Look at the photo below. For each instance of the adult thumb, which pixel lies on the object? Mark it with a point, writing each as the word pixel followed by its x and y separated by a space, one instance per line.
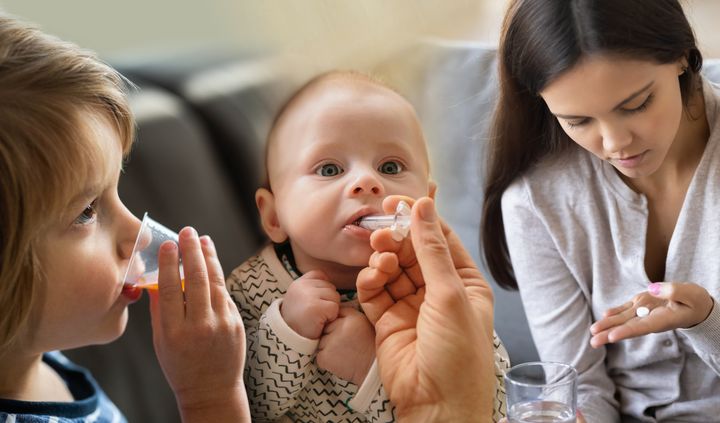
pixel 660 289
pixel 431 249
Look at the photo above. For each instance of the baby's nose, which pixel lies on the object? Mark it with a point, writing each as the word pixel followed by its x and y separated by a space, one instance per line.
pixel 367 184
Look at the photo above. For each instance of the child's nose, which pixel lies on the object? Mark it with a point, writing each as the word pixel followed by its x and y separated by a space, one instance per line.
pixel 367 184
pixel 129 230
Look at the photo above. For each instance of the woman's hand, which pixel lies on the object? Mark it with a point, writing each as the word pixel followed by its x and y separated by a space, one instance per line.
pixel 672 305
pixel 198 334
pixel 433 316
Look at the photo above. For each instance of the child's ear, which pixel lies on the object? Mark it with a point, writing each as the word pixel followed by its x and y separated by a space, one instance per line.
pixel 432 189
pixel 265 201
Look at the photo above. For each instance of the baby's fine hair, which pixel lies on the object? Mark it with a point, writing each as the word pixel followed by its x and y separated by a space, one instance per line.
pixel 312 87
pixel 47 88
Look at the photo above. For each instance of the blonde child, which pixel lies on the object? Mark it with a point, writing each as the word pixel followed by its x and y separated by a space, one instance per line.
pixel 65 241
pixel 339 146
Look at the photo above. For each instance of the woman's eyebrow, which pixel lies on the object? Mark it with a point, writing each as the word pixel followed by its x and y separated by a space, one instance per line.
pixel 633 95
pixel 630 98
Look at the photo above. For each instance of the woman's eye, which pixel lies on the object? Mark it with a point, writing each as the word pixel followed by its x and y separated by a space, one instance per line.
pixel 641 107
pixel 88 215
pixel 575 124
pixel 329 169
pixel 390 167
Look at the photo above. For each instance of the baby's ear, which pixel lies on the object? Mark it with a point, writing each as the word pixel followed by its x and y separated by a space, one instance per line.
pixel 432 189
pixel 265 201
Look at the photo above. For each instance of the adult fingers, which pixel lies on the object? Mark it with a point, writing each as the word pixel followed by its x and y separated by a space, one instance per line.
pixel 620 315
pixel 617 310
pixel 686 293
pixel 390 202
pixel 373 297
pixel 432 252
pixel 197 291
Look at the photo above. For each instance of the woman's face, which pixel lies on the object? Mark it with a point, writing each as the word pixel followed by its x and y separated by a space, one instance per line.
pixel 624 111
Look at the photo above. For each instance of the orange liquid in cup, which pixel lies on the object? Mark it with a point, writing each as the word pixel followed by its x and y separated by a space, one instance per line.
pixel 153 286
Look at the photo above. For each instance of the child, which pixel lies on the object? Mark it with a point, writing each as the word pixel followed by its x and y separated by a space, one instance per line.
pixel 339 146
pixel 65 241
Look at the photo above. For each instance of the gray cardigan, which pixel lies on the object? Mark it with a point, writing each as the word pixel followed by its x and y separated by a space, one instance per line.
pixel 576 236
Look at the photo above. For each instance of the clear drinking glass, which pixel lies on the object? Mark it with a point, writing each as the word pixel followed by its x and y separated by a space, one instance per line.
pixel 142 270
pixel 541 392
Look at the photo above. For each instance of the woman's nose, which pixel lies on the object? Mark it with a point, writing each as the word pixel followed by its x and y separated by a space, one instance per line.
pixel 616 138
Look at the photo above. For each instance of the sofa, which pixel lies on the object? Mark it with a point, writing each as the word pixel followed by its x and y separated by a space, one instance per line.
pixel 198 159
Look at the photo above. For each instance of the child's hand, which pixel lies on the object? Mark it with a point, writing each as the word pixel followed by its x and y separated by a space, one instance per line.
pixel 347 346
pixel 309 303
pixel 672 305
pixel 198 335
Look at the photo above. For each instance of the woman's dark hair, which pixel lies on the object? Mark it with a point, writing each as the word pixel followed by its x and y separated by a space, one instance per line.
pixel 541 39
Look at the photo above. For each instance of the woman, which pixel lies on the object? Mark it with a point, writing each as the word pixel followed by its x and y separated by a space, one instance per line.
pixel 602 179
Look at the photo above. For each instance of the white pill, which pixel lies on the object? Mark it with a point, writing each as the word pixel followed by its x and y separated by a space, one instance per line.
pixel 642 311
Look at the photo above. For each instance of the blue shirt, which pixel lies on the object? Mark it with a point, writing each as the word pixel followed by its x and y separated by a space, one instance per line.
pixel 90 404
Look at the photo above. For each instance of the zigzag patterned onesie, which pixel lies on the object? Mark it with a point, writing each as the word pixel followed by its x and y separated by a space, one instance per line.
pixel 281 378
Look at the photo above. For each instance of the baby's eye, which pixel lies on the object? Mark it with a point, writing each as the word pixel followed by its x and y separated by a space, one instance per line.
pixel 329 169
pixel 88 215
pixel 390 167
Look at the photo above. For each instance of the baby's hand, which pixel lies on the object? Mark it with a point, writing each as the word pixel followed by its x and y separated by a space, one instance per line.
pixel 310 303
pixel 671 305
pixel 347 347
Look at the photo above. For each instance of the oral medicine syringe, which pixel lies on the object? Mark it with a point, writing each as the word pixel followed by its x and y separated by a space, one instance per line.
pixel 399 223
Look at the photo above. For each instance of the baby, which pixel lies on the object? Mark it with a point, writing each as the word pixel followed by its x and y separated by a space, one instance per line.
pixel 338 147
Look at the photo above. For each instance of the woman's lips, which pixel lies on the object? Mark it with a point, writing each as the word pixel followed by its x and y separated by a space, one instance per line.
pixel 631 161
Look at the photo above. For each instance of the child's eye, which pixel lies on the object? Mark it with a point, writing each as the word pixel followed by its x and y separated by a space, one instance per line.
pixel 390 167
pixel 88 215
pixel 329 169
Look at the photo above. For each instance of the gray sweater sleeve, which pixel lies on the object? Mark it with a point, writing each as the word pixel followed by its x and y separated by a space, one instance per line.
pixel 556 304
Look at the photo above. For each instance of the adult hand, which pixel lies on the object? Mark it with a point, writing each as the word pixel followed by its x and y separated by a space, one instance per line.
pixel 198 334
pixel 672 305
pixel 309 303
pixel 347 346
pixel 433 316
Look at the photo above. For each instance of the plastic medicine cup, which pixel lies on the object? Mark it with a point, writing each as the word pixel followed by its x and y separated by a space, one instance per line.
pixel 142 271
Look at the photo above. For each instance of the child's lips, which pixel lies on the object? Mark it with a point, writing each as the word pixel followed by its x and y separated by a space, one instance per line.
pixel 357 231
pixel 354 220
pixel 132 293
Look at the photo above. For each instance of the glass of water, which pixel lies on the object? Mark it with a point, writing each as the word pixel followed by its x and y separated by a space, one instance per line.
pixel 541 392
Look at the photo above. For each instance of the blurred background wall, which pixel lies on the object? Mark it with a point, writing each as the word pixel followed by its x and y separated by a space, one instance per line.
pixel 360 30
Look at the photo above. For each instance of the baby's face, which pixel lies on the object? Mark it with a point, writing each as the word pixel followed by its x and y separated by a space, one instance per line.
pixel 338 155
